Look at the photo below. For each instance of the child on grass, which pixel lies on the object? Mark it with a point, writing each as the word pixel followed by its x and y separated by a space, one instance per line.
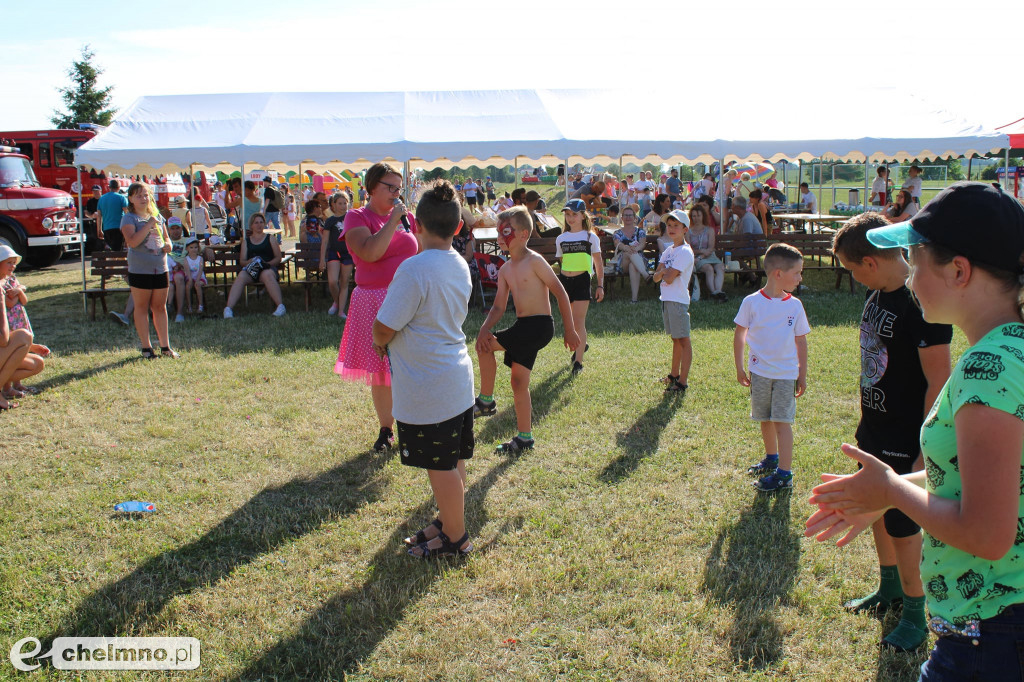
pixel 195 273
pixel 580 251
pixel 904 363
pixel 419 326
pixel 15 298
pixel 529 279
pixel 772 322
pixel 675 268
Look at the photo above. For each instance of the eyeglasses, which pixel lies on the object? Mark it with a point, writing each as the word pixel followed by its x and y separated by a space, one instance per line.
pixel 394 189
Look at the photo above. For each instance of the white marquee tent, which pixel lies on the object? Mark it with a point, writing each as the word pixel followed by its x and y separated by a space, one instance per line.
pixel 168 133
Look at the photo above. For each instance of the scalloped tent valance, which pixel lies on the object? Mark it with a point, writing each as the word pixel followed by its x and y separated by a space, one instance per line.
pixel 448 128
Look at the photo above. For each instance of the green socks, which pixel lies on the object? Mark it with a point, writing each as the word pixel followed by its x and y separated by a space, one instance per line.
pixel 889 589
pixel 526 435
pixel 911 631
pixel 485 398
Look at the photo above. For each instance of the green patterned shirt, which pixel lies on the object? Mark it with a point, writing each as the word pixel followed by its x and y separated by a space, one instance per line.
pixel 961 586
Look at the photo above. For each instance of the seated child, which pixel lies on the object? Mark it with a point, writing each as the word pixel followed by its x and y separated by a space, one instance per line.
pixel 15 299
pixel 195 273
pixel 314 223
pixel 419 326
pixel 772 322
pixel 529 279
pixel 675 268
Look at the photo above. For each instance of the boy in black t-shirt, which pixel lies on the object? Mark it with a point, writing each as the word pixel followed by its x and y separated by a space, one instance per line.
pixel 904 364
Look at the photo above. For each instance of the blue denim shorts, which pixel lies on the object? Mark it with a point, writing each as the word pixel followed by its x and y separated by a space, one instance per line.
pixel 998 655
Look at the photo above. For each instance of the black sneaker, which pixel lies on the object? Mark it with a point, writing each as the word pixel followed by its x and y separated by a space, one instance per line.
pixel 577 367
pixel 515 445
pixel 572 355
pixel 385 440
pixel 482 409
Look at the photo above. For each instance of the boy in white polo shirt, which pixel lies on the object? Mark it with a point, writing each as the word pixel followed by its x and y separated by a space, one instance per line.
pixel 773 324
pixel 675 269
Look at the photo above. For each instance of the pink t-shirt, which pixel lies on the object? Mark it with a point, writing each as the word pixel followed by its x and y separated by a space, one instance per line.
pixel 378 274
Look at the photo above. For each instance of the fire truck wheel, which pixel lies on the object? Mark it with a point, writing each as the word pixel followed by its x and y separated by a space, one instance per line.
pixel 10 238
pixel 43 256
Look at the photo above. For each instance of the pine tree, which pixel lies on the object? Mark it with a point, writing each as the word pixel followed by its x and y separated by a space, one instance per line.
pixel 85 104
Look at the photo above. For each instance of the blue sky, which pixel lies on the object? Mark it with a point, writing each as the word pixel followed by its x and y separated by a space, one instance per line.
pixel 186 47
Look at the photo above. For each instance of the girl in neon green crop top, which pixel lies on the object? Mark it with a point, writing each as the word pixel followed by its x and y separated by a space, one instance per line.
pixel 580 251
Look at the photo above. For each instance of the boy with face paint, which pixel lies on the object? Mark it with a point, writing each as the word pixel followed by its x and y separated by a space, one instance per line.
pixel 529 279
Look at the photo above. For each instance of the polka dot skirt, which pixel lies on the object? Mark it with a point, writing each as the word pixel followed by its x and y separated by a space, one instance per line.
pixel 356 359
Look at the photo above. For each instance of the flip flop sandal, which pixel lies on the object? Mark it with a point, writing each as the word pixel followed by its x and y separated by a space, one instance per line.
pixel 420 537
pixel 447 548
pixel 31 390
pixel 148 354
pixel 10 406
pixel 168 353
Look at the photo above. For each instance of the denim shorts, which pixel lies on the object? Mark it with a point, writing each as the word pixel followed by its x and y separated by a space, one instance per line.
pixel 998 655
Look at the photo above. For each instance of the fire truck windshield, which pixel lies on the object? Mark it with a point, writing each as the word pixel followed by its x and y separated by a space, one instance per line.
pixel 16 171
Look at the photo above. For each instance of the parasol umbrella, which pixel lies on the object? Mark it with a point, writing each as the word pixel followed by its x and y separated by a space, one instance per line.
pixel 757 170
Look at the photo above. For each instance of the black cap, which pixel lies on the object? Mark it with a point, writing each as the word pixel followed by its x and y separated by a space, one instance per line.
pixel 972 219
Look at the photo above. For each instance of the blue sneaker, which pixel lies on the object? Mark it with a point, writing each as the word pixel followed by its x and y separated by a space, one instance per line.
pixel 764 467
pixel 773 483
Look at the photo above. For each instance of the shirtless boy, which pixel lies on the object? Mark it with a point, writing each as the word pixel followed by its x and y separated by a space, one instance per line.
pixel 529 279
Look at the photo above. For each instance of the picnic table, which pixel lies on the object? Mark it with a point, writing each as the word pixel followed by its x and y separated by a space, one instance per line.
pixel 486 239
pixel 805 221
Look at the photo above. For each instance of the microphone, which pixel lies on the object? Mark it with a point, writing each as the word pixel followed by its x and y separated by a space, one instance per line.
pixel 405 217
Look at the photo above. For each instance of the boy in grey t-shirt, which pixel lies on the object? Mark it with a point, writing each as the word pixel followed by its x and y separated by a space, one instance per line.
pixel 419 326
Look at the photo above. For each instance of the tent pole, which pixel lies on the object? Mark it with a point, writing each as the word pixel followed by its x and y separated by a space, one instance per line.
pixel 565 177
pixel 515 173
pixel 407 181
pixel 81 234
pixel 864 202
pixel 1006 166
pixel 969 159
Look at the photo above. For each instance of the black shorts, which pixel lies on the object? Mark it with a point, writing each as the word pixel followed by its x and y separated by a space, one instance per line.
pixel 577 286
pixel 490 195
pixel 437 446
pixel 114 239
pixel 901 458
pixel 152 282
pixel 470 201
pixel 523 340
pixel 343 256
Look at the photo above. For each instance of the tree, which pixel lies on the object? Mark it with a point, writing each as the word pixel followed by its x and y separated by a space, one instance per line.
pixel 85 103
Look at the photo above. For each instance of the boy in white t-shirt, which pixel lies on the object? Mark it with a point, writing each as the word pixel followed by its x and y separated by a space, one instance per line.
pixel 807 198
pixel 772 323
pixel 675 268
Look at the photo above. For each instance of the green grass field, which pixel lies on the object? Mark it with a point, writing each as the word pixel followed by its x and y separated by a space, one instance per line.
pixel 628 546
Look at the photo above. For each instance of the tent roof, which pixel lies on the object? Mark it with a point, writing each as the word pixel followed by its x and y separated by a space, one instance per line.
pixel 447 128
pixel 1016 132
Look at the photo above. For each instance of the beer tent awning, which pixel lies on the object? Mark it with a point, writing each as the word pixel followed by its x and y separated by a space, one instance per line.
pixel 446 128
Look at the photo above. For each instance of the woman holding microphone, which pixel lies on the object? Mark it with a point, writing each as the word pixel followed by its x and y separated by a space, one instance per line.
pixel 379 235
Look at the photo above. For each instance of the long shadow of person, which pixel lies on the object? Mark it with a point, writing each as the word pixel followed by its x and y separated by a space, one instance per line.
pixel 640 439
pixel 346 629
pixel 542 396
pixel 273 516
pixel 64 378
pixel 752 566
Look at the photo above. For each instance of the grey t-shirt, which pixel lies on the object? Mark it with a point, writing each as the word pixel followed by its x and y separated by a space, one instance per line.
pixel 431 371
pixel 749 224
pixel 584 189
pixel 148 258
pixel 673 185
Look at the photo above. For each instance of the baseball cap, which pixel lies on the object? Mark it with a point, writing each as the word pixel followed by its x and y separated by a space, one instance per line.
pixel 97 187
pixel 679 215
pixel 576 205
pixel 191 240
pixel 173 221
pixel 972 219
pixel 7 252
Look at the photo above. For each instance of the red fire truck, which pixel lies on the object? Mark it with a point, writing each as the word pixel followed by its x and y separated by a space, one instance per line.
pixel 37 222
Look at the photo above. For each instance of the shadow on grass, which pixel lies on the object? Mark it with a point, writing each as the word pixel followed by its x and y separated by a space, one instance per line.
pixel 274 516
pixel 751 567
pixel 69 377
pixel 338 638
pixel 640 440
pixel 543 396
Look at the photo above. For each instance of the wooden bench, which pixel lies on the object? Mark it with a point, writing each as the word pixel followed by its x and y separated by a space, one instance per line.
pixel 222 270
pixel 818 248
pixel 106 265
pixel 746 249
pixel 611 275
pixel 306 257
pixel 545 246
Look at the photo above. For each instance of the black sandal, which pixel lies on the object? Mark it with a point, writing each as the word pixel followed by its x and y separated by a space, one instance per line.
pixel 420 537
pixel 447 548
pixel 148 354
pixel 168 353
